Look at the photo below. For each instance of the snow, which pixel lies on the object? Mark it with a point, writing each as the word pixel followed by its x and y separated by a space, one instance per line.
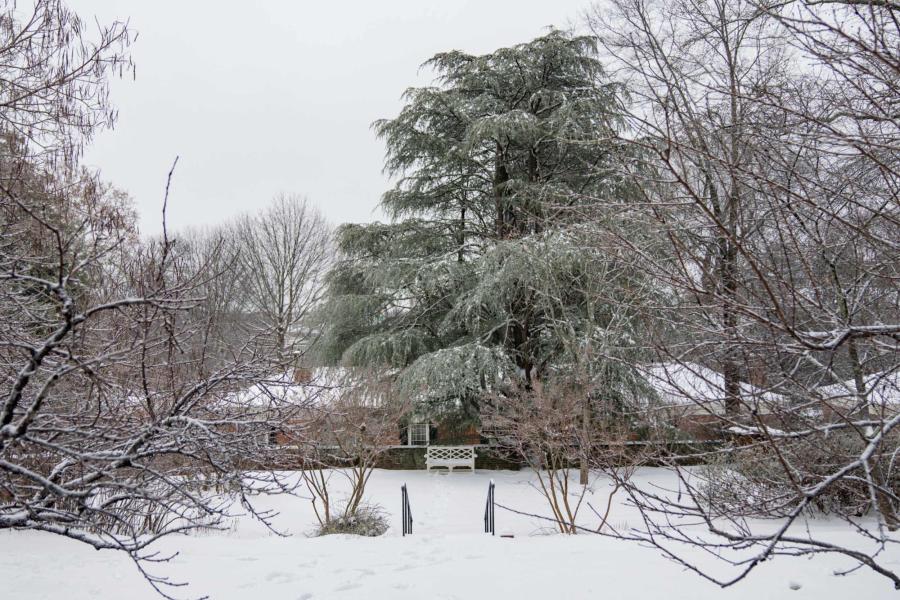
pixel 753 431
pixel 883 390
pixel 447 557
pixel 692 384
pixel 324 386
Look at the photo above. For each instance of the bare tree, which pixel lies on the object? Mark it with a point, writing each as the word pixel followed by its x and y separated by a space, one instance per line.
pixel 121 419
pixel 545 427
pixel 112 416
pixel 54 92
pixel 284 254
pixel 356 421
pixel 768 140
pixel 213 256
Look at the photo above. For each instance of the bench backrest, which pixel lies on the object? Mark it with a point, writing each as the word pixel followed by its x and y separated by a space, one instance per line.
pixel 450 452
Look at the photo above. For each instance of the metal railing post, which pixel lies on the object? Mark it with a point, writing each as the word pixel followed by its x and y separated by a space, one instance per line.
pixel 489 510
pixel 406 513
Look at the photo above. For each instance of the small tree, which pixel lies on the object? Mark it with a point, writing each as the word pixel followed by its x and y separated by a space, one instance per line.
pixel 356 421
pixel 545 427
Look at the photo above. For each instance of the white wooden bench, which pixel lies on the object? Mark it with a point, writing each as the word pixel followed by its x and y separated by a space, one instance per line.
pixel 450 457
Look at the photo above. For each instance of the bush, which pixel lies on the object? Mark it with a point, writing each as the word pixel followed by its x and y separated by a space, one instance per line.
pixel 367 520
pixel 753 481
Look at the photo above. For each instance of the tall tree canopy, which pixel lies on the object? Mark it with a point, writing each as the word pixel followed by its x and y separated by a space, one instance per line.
pixel 484 252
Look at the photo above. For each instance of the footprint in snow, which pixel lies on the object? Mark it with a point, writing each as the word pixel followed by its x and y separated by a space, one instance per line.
pixel 347 586
pixel 279 577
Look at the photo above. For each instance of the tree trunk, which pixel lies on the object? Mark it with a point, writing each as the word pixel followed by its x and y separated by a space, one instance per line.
pixel 864 412
pixel 583 472
pixel 505 216
pixel 726 287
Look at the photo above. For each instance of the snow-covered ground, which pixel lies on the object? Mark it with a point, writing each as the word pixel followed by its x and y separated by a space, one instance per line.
pixel 447 557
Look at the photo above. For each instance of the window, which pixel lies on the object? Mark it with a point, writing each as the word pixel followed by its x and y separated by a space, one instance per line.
pixel 418 434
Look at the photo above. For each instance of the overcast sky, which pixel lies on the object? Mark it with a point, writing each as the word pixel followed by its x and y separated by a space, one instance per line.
pixel 278 96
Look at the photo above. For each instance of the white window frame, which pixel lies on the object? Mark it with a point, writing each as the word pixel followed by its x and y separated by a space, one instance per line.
pixel 414 434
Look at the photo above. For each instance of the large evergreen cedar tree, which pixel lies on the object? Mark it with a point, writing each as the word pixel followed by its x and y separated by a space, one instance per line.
pixel 484 256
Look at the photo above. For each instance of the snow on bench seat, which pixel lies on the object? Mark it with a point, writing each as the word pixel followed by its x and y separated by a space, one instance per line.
pixel 450 457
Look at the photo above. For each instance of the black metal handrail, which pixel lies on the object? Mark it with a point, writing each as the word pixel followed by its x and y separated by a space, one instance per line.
pixel 489 510
pixel 407 513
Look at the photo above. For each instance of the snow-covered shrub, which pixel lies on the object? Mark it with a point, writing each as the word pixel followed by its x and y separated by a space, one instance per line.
pixel 757 481
pixel 369 520
pixel 131 516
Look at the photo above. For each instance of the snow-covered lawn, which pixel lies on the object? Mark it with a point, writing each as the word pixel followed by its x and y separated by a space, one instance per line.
pixel 447 557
